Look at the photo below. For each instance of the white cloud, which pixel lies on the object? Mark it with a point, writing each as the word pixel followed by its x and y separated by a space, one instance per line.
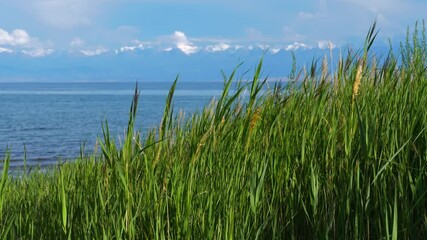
pixel 237 47
pixel 191 45
pixel 5 50
pixel 275 50
pixel 187 49
pixel 326 44
pixel 127 48
pixel 296 46
pixel 16 37
pixel 19 40
pixel 38 52
pixel 217 47
pixel 131 48
pixel 263 46
pixel 183 43
pixel 95 52
pixel 77 42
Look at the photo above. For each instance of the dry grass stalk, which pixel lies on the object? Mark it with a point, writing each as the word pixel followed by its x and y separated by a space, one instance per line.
pixel 357 79
pixel 331 48
pixel 339 70
pixel 255 119
pixel 374 68
pixel 324 68
pixel 222 121
pixel 238 108
pixel 305 74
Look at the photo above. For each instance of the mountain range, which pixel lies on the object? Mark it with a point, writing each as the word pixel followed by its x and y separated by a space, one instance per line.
pixel 132 63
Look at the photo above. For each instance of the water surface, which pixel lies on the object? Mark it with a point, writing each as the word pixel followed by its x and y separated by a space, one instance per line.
pixel 52 120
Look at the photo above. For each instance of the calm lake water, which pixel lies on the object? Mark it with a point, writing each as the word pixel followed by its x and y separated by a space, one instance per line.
pixel 52 120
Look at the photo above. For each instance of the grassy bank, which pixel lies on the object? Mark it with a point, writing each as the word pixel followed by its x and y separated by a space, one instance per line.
pixel 337 155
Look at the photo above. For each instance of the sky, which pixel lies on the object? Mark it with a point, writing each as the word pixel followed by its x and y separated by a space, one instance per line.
pixel 110 24
pixel 39 28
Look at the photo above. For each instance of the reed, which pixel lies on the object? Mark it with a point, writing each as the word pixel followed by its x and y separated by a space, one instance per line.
pixel 307 160
pixel 357 79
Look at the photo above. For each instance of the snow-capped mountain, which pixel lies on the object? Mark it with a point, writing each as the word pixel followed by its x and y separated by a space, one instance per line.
pixel 147 63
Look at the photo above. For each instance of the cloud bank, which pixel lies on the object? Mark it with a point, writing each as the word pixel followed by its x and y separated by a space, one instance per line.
pixel 14 38
pixel 5 50
pixel 39 52
pixel 296 46
pixel 95 52
pixel 183 43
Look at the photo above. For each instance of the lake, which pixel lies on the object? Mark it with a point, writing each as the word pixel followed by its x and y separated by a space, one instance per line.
pixel 52 120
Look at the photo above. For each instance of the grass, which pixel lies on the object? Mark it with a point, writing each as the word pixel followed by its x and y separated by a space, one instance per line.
pixel 339 155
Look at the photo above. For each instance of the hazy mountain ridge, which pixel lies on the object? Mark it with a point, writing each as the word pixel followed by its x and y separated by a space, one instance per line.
pixel 151 64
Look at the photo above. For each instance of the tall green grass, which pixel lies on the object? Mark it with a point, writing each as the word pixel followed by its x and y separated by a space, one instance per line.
pixel 329 155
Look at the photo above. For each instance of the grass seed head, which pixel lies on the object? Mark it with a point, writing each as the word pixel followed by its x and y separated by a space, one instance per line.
pixel 357 79
pixel 324 68
pixel 255 118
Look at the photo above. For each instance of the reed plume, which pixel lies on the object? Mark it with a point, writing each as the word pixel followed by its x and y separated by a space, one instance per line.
pixel 255 118
pixel 358 78
pixel 324 68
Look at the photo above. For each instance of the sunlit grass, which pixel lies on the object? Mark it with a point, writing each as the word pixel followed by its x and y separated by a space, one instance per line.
pixel 339 155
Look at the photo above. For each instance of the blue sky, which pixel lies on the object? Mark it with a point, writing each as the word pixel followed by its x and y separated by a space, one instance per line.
pixel 41 27
pixel 111 40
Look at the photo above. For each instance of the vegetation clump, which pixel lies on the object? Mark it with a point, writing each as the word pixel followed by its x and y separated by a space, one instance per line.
pixel 339 155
